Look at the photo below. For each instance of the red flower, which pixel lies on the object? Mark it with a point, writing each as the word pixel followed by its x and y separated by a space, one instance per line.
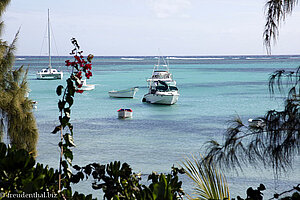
pixel 88 66
pixel 68 63
pixel 88 74
pixel 79 91
pixel 79 86
pixel 77 58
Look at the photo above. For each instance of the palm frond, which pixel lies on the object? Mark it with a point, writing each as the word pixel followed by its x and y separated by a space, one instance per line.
pixel 210 183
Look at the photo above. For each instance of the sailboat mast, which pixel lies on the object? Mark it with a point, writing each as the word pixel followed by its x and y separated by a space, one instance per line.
pixel 49 43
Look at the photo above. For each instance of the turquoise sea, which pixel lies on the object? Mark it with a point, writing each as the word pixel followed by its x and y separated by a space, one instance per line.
pixel 213 90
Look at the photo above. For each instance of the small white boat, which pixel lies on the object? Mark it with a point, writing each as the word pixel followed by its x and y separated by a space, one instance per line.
pixel 124 113
pixel 86 87
pixel 49 73
pixel 257 122
pixel 128 93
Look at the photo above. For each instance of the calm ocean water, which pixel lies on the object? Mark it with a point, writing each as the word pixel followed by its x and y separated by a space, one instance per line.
pixel 213 90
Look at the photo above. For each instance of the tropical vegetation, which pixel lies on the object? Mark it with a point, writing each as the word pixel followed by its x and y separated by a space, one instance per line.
pixel 16 117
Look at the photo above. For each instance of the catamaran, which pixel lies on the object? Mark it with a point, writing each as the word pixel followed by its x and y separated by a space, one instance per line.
pixel 49 73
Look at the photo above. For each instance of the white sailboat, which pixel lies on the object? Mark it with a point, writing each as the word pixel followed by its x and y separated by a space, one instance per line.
pixel 162 87
pixel 49 73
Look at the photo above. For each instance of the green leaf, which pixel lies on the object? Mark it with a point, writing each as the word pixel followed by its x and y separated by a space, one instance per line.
pixel 88 169
pixel 69 140
pixel 70 100
pixel 61 105
pixel 65 121
pixel 64 164
pixel 77 167
pixel 56 129
pixel 68 154
pixel 89 197
pixel 2 150
pixel 70 128
pixel 59 90
pixel 67 110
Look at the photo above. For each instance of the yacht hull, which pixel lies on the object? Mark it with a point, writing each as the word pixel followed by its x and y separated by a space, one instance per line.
pixel 49 76
pixel 165 99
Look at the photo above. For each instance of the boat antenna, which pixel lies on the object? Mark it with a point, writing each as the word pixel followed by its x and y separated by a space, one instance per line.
pixel 158 63
pixel 49 45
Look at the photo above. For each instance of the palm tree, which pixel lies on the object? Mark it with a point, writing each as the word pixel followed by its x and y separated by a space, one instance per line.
pixel 210 183
pixel 17 119
pixel 276 12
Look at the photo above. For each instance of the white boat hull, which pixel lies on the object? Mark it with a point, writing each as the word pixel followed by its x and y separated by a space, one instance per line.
pixel 166 99
pixel 87 87
pixel 49 76
pixel 129 93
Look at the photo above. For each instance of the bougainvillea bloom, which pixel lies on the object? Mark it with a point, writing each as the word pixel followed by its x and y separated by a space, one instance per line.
pixel 79 74
pixel 88 74
pixel 88 66
pixel 79 91
pixel 68 63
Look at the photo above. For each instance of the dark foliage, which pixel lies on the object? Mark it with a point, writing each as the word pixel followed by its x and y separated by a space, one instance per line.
pixel 117 181
pixel 258 195
pixel 273 142
pixel 20 174
pixel 276 12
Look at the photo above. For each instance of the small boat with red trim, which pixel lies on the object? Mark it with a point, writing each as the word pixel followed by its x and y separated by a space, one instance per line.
pixel 124 113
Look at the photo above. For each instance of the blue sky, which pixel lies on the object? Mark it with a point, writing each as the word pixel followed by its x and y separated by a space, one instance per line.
pixel 141 27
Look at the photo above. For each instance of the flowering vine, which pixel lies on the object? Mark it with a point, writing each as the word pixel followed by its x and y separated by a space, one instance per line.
pixel 79 66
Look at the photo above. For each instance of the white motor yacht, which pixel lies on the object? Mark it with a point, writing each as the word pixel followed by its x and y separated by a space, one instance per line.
pixel 162 87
